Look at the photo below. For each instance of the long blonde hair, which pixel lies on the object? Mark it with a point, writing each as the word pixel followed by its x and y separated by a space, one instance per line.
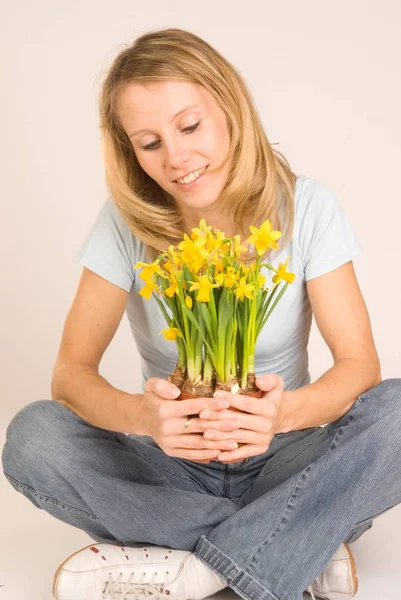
pixel 260 180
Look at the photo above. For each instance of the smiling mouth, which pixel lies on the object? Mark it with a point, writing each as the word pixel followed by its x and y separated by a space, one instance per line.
pixel 204 171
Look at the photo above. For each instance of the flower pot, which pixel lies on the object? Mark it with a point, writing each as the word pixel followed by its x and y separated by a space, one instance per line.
pixel 257 394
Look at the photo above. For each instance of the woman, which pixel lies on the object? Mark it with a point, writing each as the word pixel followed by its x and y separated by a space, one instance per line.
pixel 175 511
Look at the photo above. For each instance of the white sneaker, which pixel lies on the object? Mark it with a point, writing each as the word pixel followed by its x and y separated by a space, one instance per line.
pixel 113 572
pixel 338 581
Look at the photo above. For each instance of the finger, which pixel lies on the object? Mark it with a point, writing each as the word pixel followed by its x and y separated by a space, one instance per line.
pixel 162 388
pixel 212 434
pixel 242 436
pixel 196 425
pixel 198 442
pixel 191 454
pixel 222 414
pixel 242 402
pixel 273 386
pixel 193 406
pixel 241 453
pixel 270 382
pixel 220 425
pixel 266 409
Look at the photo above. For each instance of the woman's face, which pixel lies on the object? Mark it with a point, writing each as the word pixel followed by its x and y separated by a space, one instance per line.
pixel 169 146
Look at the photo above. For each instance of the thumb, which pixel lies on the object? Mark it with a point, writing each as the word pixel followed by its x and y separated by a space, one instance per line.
pixel 269 382
pixel 162 388
pixel 172 390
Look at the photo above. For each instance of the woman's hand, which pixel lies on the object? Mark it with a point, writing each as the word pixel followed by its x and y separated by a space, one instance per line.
pixel 260 419
pixel 163 418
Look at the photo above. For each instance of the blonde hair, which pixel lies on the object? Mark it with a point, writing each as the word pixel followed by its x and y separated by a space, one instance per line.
pixel 260 180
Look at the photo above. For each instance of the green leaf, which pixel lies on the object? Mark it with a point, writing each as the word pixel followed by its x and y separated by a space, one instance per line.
pixel 206 317
pixel 275 304
pixel 162 308
pixel 263 309
pixel 196 324
pixel 223 316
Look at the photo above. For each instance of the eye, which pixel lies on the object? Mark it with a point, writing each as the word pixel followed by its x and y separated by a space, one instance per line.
pixel 192 128
pixel 154 145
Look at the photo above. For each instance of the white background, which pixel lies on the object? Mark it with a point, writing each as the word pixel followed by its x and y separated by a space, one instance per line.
pixel 325 79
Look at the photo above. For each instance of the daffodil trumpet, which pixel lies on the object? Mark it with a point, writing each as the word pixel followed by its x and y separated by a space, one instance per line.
pixel 215 305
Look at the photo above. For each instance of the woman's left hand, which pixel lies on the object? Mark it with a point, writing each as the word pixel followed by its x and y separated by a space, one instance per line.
pixel 260 419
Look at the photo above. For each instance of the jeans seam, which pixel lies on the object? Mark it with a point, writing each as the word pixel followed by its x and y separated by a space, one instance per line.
pixel 302 475
pixel 375 516
pixel 34 493
pixel 290 460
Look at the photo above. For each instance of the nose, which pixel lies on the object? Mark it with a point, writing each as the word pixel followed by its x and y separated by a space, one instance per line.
pixel 177 154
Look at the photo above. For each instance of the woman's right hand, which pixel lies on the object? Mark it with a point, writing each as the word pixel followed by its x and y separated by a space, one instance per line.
pixel 162 417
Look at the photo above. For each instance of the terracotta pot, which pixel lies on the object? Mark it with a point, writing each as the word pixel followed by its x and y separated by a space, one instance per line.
pixel 257 394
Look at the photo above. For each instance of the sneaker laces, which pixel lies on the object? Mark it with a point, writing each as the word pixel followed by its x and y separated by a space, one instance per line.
pixel 122 590
pixel 310 590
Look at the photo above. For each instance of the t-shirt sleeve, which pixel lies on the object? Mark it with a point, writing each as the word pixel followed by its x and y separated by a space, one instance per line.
pixel 108 249
pixel 326 238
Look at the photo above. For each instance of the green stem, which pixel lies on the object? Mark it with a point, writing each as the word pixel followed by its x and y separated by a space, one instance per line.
pixel 275 303
pixel 245 346
pixel 191 368
pixel 207 367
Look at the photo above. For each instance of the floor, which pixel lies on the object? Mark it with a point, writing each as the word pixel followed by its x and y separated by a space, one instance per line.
pixel 34 544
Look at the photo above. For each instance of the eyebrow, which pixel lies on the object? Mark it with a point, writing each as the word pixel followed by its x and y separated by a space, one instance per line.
pixel 189 107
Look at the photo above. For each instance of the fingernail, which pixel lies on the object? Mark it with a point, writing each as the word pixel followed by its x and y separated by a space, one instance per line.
pixel 219 394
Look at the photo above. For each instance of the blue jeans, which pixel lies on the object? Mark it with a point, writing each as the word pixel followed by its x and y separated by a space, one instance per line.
pixel 269 525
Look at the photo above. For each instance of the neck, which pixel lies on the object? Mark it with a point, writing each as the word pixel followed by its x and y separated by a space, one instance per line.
pixel 217 221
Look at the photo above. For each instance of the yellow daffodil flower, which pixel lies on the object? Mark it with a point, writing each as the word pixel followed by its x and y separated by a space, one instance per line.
pixel 228 278
pixel 174 255
pixel 237 249
pixel 171 333
pixel 204 286
pixel 282 274
pixel 149 270
pixel 219 267
pixel 147 289
pixel 201 231
pixel 219 237
pixel 244 289
pixel 193 252
pixel 173 289
pixel 245 270
pixel 168 267
pixel 188 301
pixel 264 237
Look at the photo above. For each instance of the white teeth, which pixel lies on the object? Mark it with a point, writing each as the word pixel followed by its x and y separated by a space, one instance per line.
pixel 191 177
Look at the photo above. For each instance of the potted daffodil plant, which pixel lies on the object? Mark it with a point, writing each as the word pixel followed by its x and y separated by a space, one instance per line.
pixel 215 306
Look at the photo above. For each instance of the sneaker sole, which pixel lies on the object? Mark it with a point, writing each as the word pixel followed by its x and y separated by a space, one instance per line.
pixel 62 565
pixel 353 568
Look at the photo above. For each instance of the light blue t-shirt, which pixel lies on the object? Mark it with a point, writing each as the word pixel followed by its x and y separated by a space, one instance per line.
pixel 322 241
